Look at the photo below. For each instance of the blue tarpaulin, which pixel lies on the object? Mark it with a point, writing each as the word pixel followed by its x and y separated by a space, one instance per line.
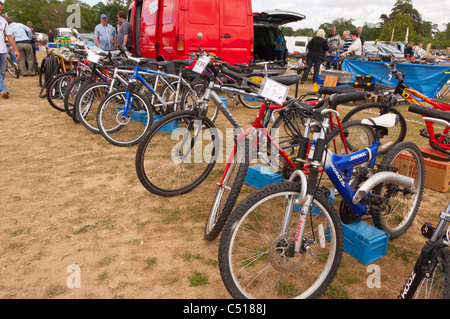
pixel 427 79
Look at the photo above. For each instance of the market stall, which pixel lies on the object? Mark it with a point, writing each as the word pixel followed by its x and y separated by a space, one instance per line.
pixel 425 78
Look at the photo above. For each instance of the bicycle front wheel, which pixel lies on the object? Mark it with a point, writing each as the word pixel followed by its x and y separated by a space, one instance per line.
pixel 177 154
pixel 87 102
pixel 257 260
pixel 437 286
pixel 227 192
pixel 122 128
pixel 399 205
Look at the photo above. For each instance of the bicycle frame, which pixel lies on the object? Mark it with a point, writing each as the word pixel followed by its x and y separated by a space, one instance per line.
pixel 408 94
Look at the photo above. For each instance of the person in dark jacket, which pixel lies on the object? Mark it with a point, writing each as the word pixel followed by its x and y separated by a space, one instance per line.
pixel 317 49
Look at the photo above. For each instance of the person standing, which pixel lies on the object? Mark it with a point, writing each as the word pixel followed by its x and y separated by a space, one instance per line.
pixel 356 47
pixel 4 28
pixel 105 35
pixel 33 44
pixel 409 53
pixel 359 29
pixel 51 37
pixel 123 35
pixel 23 37
pixel 348 40
pixel 317 49
pixel 334 45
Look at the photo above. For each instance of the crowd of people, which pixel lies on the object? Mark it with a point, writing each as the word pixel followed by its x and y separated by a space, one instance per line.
pixel 322 45
pixel 21 43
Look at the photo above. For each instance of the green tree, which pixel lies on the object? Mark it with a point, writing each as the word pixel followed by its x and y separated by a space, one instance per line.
pixel 400 24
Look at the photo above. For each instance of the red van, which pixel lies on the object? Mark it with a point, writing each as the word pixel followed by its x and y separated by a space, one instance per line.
pixel 168 29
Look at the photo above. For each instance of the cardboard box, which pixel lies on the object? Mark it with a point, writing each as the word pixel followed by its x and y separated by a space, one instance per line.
pixel 437 169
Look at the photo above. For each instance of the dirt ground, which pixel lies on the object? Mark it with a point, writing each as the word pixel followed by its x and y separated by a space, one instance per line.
pixel 73 205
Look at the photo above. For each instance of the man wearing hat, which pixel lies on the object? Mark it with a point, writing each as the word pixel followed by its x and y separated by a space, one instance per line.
pixel 105 35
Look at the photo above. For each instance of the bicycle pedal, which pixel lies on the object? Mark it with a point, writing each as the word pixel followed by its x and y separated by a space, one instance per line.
pixel 424 132
pixel 428 230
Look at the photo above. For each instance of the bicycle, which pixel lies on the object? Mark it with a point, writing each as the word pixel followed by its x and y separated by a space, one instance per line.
pixel 124 116
pixel 192 126
pixel 157 144
pixel 12 68
pixel 430 277
pixel 440 142
pixel 285 240
pixel 356 137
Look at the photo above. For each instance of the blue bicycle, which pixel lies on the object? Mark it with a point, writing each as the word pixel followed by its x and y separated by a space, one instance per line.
pixel 285 240
pixel 124 116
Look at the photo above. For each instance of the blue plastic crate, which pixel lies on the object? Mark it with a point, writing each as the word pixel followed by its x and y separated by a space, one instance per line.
pixel 168 128
pixel 224 100
pixel 365 242
pixel 259 176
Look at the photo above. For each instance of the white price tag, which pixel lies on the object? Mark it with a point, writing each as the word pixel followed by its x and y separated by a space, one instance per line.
pixel 274 91
pixel 93 57
pixel 201 64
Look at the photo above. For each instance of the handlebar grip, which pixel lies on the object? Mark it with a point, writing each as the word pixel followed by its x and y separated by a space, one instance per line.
pixel 336 99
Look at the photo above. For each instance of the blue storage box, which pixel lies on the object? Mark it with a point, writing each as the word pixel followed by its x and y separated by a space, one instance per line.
pixel 168 128
pixel 365 242
pixel 52 45
pixel 259 176
pixel 224 100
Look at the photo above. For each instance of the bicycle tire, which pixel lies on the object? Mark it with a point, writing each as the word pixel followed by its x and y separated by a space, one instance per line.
pixel 128 130
pixel 155 165
pixel 57 87
pixel 437 286
pixel 398 160
pixel 87 102
pixel 12 68
pixel 269 253
pixel 190 98
pixel 396 134
pixel 219 214
pixel 71 94
pixel 249 102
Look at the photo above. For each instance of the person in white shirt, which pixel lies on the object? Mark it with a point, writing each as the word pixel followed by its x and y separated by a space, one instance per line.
pixel 356 47
pixel 419 52
pixel 4 28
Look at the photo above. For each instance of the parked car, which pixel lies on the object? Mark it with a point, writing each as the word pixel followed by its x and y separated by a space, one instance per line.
pixel 41 37
pixel 375 53
pixel 87 38
pixel 67 33
pixel 386 48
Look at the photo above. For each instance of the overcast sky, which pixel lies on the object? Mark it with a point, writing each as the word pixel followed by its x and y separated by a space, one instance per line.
pixel 321 11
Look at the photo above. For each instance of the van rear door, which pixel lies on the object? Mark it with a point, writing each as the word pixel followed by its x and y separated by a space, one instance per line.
pixel 236 31
pixel 144 27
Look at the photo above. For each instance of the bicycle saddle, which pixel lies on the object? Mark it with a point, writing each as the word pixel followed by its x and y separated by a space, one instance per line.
pixel 287 79
pixel 328 90
pixel 386 121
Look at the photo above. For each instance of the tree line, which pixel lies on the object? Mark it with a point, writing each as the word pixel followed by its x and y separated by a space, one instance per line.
pixel 403 17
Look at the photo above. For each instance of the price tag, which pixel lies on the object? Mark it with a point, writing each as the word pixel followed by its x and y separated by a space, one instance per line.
pixel 274 91
pixel 93 57
pixel 201 64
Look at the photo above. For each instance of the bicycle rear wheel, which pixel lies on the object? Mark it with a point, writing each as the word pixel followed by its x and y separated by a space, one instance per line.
pixel 190 98
pixel 177 153
pixel 124 129
pixel 396 133
pixel 57 87
pixel 399 205
pixel 256 260
pixel 87 102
